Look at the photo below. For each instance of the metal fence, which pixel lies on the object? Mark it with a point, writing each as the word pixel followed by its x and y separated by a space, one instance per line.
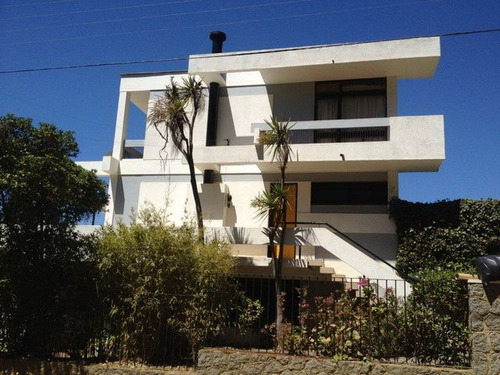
pixel 342 318
pixel 351 318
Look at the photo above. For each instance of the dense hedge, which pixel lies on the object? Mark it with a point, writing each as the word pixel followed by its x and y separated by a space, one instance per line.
pixel 445 235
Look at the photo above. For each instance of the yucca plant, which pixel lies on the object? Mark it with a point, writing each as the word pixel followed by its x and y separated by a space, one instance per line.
pixel 174 116
pixel 273 204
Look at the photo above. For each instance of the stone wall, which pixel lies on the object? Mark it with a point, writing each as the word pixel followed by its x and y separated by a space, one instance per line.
pixel 484 322
pixel 234 362
pixel 38 367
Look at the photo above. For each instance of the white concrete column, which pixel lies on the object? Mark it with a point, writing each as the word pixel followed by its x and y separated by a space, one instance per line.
pixel 121 124
pixel 112 167
pixel 392 184
pixel 110 209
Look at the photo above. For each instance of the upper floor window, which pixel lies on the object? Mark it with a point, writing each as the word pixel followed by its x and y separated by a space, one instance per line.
pixel 361 98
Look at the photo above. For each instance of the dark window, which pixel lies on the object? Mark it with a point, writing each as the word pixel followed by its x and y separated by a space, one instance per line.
pixel 348 193
pixel 362 98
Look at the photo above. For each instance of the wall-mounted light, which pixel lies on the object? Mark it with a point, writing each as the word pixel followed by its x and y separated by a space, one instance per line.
pixel 342 156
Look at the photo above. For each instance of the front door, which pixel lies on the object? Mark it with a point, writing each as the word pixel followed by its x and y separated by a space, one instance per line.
pixel 291 218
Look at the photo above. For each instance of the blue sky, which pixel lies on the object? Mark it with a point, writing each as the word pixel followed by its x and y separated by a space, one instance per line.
pixel 465 88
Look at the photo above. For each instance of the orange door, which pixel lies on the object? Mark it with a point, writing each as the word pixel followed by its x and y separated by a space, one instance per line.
pixel 291 217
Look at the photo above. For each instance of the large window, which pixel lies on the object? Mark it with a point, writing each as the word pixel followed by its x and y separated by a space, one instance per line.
pixel 349 196
pixel 363 98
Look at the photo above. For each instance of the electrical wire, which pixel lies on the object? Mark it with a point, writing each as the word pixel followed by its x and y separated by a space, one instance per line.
pixel 231 23
pixel 158 16
pixel 458 33
pixel 36 4
pixel 96 65
pixel 98 10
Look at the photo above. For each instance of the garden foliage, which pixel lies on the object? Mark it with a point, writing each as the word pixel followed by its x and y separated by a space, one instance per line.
pixel 436 240
pixel 46 266
pixel 158 282
pixel 445 235
pixel 361 325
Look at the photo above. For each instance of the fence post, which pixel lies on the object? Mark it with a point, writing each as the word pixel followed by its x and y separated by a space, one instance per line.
pixel 484 323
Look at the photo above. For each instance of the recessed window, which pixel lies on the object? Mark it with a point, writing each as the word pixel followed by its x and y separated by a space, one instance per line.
pixel 363 98
pixel 349 196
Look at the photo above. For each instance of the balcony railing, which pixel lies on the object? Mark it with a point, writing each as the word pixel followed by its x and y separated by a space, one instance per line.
pixel 334 131
pixel 335 135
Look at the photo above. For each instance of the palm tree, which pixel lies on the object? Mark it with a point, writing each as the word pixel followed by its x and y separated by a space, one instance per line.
pixel 173 116
pixel 274 204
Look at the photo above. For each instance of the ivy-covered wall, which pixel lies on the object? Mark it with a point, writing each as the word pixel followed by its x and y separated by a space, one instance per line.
pixel 445 235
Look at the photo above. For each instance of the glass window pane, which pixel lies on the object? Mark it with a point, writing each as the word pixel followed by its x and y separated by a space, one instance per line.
pixel 363 107
pixel 327 109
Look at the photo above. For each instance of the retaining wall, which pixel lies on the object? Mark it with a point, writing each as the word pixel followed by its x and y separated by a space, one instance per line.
pixel 484 323
pixel 235 362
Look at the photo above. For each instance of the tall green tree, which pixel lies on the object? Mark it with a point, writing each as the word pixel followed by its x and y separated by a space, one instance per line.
pixel 273 204
pixel 174 116
pixel 44 262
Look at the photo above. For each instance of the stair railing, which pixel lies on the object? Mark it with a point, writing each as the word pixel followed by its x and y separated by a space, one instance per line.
pixel 346 237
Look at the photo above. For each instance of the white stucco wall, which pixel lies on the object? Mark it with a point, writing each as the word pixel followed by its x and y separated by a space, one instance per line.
pixel 237 110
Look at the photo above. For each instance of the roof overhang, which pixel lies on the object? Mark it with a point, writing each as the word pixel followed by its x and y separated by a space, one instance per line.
pixel 403 58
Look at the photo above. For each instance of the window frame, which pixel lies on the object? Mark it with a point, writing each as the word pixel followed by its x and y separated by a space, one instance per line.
pixel 350 93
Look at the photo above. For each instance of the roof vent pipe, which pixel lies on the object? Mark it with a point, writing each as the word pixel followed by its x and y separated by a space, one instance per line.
pixel 217 38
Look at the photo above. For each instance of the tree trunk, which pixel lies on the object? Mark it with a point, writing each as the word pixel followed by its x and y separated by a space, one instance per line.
pixel 280 339
pixel 278 285
pixel 196 196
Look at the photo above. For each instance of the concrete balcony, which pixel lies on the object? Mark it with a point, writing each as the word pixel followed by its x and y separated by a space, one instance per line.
pixel 413 143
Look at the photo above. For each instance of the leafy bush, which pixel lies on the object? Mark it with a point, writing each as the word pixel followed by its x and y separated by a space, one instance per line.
pixel 157 281
pixel 437 311
pixel 446 234
pixel 344 326
pixel 437 240
pixel 359 325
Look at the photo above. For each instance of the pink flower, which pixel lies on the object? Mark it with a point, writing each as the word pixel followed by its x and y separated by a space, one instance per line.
pixel 362 282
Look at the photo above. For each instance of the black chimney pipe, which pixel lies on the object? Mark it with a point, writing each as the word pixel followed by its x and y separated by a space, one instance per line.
pixel 217 38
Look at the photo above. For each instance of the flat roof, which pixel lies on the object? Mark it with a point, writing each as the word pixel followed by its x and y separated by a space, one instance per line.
pixel 149 74
pixel 403 58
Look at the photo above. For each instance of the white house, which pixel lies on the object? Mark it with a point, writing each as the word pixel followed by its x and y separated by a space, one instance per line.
pixel 349 146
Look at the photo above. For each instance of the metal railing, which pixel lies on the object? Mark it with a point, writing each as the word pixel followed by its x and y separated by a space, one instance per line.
pixel 346 318
pixel 339 135
pixel 346 237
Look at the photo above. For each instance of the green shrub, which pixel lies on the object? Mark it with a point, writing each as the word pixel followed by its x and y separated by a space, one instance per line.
pixel 158 282
pixel 438 314
pixel 446 234
pixel 436 240
pixel 344 326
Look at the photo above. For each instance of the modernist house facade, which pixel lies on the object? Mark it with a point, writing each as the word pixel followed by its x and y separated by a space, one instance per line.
pixel 349 147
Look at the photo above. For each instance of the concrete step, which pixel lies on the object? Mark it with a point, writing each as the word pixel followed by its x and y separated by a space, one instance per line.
pixel 312 263
pixel 327 270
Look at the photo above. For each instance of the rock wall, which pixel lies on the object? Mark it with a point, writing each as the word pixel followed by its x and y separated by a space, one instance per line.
pixel 38 367
pixel 484 323
pixel 234 362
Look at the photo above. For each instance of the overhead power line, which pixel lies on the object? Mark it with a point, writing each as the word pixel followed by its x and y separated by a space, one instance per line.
pixel 191 13
pixel 96 65
pixel 230 23
pixel 36 4
pixel 98 10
